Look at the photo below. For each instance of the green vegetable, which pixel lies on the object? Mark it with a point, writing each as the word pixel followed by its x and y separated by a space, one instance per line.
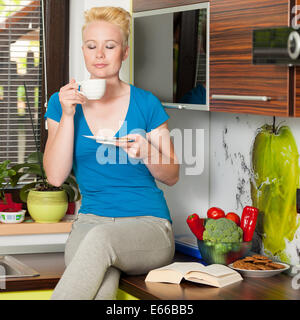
pixel 222 230
pixel 273 189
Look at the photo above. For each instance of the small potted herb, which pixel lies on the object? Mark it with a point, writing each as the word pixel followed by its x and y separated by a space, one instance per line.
pixel 10 211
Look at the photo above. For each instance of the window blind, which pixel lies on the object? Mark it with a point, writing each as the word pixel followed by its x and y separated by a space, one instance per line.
pixel 21 60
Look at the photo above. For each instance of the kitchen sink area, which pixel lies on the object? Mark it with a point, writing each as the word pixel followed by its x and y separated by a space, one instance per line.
pixel 11 267
pixel 33 271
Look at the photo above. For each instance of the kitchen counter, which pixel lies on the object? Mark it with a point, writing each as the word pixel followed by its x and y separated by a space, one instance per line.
pixel 51 266
pixel 29 227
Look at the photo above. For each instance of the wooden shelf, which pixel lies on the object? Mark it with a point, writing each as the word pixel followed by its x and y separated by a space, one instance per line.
pixel 31 227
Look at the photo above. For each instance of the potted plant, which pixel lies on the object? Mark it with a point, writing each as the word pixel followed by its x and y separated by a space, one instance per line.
pixel 10 211
pixel 45 203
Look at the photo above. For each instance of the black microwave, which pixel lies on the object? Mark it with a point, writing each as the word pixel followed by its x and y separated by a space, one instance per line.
pixel 276 46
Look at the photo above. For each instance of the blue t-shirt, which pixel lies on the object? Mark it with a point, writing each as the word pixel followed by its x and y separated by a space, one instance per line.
pixel 195 96
pixel 111 183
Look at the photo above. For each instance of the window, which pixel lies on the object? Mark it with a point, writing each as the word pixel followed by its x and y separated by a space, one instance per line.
pixel 21 60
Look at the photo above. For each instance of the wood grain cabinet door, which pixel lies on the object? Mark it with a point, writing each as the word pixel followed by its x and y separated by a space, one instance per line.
pixel 231 70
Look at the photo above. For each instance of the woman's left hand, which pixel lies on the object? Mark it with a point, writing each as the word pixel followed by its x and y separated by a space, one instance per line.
pixel 138 149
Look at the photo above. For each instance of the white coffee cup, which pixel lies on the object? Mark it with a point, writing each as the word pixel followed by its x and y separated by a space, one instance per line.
pixel 92 89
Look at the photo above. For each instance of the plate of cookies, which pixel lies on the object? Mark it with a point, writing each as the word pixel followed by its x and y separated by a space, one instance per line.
pixel 258 266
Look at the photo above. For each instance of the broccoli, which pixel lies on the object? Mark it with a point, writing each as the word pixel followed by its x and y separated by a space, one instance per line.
pixel 222 230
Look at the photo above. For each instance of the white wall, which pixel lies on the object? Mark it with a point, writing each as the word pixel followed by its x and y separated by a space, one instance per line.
pixel 191 193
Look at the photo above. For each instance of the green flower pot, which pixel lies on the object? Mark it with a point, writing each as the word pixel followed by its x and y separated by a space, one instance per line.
pixel 47 206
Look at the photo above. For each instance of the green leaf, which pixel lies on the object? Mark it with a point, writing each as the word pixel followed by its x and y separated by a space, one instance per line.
pixel 15 179
pixel 17 167
pixel 24 191
pixel 30 168
pixel 4 164
pixel 11 172
pixel 5 174
pixel 78 195
pixel 72 182
pixel 35 157
pixel 70 192
pixel 34 169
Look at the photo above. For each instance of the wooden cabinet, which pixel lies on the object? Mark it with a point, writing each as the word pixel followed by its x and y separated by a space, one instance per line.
pixel 143 5
pixel 248 88
pixel 236 85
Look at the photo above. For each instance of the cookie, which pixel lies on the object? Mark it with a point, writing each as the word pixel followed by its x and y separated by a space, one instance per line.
pixel 261 261
pixel 264 267
pixel 260 257
pixel 238 264
pixel 244 265
pixel 248 259
pixel 275 265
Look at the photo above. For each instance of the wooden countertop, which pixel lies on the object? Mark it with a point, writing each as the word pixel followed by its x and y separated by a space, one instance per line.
pixel 30 227
pixel 274 288
pixel 51 266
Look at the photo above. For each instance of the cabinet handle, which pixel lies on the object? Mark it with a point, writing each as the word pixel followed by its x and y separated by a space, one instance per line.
pixel 180 107
pixel 234 97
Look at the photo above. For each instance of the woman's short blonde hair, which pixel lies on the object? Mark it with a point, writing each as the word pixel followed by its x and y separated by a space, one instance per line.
pixel 115 15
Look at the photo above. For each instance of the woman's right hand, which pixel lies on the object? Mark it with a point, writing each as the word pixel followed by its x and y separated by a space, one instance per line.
pixel 69 97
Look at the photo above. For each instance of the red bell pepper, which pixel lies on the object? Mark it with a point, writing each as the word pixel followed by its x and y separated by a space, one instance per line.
pixel 196 225
pixel 248 222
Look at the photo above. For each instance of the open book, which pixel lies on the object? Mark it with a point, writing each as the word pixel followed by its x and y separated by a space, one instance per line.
pixel 216 275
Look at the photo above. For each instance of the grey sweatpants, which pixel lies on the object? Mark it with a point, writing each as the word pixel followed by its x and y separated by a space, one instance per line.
pixel 100 248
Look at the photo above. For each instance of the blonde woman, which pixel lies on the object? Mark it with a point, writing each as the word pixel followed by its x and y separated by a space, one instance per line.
pixel 124 223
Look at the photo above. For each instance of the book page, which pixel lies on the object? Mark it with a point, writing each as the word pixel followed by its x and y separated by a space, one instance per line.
pixel 172 273
pixel 217 270
pixel 215 281
pixel 170 276
pixel 184 267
